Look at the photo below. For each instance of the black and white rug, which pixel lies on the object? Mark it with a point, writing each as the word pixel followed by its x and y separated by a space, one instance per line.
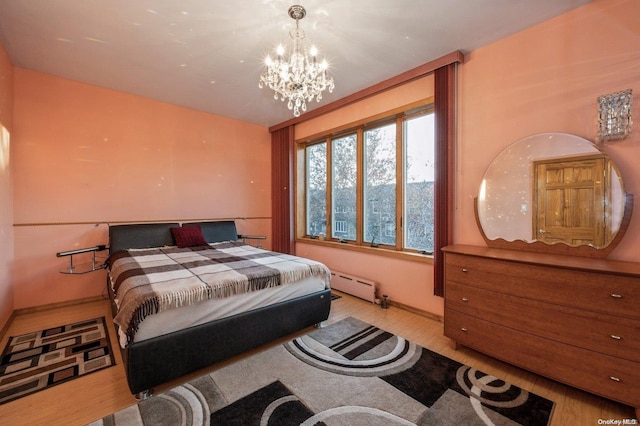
pixel 39 360
pixel 349 373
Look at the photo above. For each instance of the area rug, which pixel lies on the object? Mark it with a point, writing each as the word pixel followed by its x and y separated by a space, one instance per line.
pixel 41 359
pixel 349 373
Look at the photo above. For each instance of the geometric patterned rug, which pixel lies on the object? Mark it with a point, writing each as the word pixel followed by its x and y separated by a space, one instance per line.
pixel 349 373
pixel 35 361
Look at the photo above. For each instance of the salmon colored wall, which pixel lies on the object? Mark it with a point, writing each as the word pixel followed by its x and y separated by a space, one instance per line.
pixel 81 153
pixel 544 79
pixel 404 281
pixel 547 79
pixel 400 96
pixel 6 193
pixel 85 155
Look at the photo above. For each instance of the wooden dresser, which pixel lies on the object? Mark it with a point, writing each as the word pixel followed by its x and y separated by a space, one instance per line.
pixel 572 319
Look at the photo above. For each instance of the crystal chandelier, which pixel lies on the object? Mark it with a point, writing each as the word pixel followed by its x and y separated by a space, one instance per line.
pixel 300 78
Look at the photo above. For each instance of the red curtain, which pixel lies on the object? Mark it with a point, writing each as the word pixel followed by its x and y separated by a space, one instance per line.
pixel 444 80
pixel 282 152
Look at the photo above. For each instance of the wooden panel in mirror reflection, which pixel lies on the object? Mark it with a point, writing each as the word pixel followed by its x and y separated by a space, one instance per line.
pixel 571 202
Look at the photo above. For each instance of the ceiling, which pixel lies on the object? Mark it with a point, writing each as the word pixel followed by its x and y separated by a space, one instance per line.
pixel 208 54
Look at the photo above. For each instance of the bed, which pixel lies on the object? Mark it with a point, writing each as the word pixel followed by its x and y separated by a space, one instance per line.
pixel 160 343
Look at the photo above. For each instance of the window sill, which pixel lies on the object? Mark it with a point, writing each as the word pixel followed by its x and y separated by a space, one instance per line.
pixel 378 251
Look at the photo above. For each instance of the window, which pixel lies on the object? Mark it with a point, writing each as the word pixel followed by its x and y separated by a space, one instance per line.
pixel 418 182
pixel 340 226
pixel 380 181
pixel 390 229
pixel 316 191
pixel 343 187
pixel 380 184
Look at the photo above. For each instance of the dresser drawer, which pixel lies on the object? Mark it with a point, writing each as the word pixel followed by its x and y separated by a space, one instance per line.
pixel 602 374
pixel 608 334
pixel 606 293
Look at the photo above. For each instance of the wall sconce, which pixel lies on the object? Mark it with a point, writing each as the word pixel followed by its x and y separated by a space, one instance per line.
pixel 614 116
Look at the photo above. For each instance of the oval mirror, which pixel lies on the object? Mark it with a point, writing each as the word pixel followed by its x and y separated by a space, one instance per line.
pixel 553 188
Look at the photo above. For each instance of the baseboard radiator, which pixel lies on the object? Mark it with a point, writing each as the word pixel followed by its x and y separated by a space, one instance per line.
pixel 355 286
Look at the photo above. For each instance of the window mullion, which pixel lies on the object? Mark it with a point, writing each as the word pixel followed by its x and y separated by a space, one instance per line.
pixel 400 164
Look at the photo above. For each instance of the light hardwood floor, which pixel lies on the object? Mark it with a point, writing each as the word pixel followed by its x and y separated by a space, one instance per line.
pixel 88 398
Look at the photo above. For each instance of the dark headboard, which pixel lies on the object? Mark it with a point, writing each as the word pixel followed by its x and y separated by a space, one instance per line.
pixel 215 232
pixel 140 235
pixel 146 235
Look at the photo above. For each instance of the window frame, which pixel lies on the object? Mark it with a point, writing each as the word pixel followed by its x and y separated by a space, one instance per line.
pixel 397 116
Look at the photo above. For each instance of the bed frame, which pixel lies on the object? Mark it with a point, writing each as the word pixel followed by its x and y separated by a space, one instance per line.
pixel 158 360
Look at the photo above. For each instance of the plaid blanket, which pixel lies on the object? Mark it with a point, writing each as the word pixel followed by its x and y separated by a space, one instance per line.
pixel 148 281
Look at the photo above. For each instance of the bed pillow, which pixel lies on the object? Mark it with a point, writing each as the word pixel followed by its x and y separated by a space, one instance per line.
pixel 188 236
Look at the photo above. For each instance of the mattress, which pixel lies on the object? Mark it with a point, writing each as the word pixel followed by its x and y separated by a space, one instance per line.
pixel 173 320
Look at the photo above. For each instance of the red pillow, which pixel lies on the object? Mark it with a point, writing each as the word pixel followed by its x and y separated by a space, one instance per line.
pixel 188 236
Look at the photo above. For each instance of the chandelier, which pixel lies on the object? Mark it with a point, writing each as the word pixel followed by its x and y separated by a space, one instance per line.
pixel 301 78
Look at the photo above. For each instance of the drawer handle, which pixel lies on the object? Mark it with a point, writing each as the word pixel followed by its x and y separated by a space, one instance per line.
pixel 465 270
pixel 465 300
pixel 615 379
pixel 463 329
pixel 614 337
pixel 616 296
